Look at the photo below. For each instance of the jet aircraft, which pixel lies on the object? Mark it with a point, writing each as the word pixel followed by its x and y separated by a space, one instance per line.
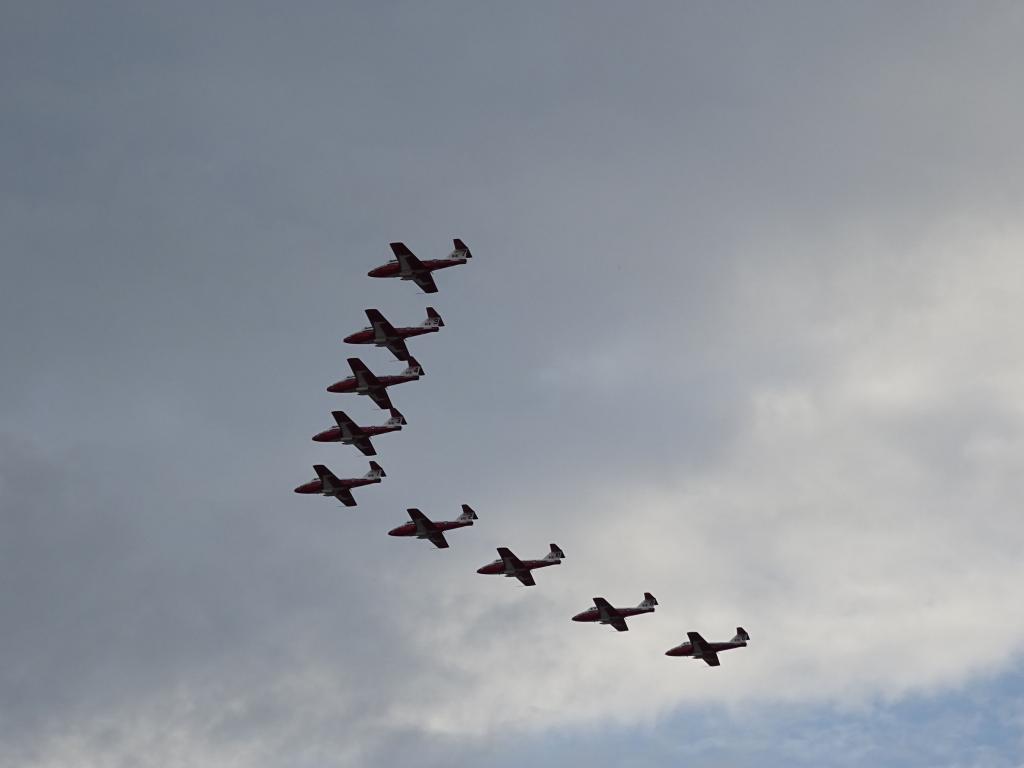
pixel 329 484
pixel 349 433
pixel 699 648
pixel 383 334
pixel 604 613
pixel 508 564
pixel 408 267
pixel 424 528
pixel 363 382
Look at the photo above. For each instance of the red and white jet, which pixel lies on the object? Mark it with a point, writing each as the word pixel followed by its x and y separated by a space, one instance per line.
pixel 383 334
pixel 604 613
pixel 423 527
pixel 363 382
pixel 349 433
pixel 508 564
pixel 329 484
pixel 699 648
pixel 408 267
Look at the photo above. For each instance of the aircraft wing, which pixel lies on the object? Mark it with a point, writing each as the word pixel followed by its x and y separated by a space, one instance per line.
pixel 609 615
pixel 516 566
pixel 327 478
pixel 344 495
pixel 349 429
pixel 526 577
pixel 510 561
pixel 364 445
pixel 425 526
pixel 383 331
pixel 423 523
pixel 703 650
pixel 406 258
pixel 364 377
pixel 397 348
pixel 380 324
pixel 425 281
pixel 379 395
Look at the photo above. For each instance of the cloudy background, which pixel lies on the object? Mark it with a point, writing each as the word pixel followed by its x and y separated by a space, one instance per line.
pixel 743 330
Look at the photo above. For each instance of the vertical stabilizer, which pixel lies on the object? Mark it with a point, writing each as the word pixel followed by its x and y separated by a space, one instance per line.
pixel 555 554
pixel 433 319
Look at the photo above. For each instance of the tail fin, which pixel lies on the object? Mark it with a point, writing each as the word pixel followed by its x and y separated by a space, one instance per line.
pixel 555 553
pixel 376 471
pixel 397 419
pixel 649 601
pixel 413 368
pixel 433 319
pixel 741 636
pixel 460 252
pixel 467 513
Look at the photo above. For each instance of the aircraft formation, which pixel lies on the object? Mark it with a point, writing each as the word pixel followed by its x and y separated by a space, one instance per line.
pixel 381 333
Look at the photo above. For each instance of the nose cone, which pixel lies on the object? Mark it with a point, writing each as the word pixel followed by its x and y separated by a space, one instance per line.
pixel 335 387
pixel 395 531
pixel 673 652
pixel 348 339
pixel 482 569
pixel 578 617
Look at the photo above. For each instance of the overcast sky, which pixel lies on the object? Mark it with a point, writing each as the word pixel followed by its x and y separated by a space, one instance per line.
pixel 743 329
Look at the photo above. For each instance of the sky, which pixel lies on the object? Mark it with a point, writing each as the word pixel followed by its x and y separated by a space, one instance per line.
pixel 741 329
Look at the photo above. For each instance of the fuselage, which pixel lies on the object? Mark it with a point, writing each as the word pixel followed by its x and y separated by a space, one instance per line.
pixel 394 269
pixel 498 566
pixel 317 486
pixel 409 529
pixel 687 650
pixel 593 614
pixel 352 385
pixel 367 335
pixel 333 435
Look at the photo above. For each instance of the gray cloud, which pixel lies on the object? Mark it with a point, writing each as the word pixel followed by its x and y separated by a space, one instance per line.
pixel 739 331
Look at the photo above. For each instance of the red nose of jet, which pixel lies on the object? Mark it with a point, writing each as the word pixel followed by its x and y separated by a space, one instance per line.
pixel 334 387
pixel 482 569
pixel 578 617
pixel 348 339
pixel 320 437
